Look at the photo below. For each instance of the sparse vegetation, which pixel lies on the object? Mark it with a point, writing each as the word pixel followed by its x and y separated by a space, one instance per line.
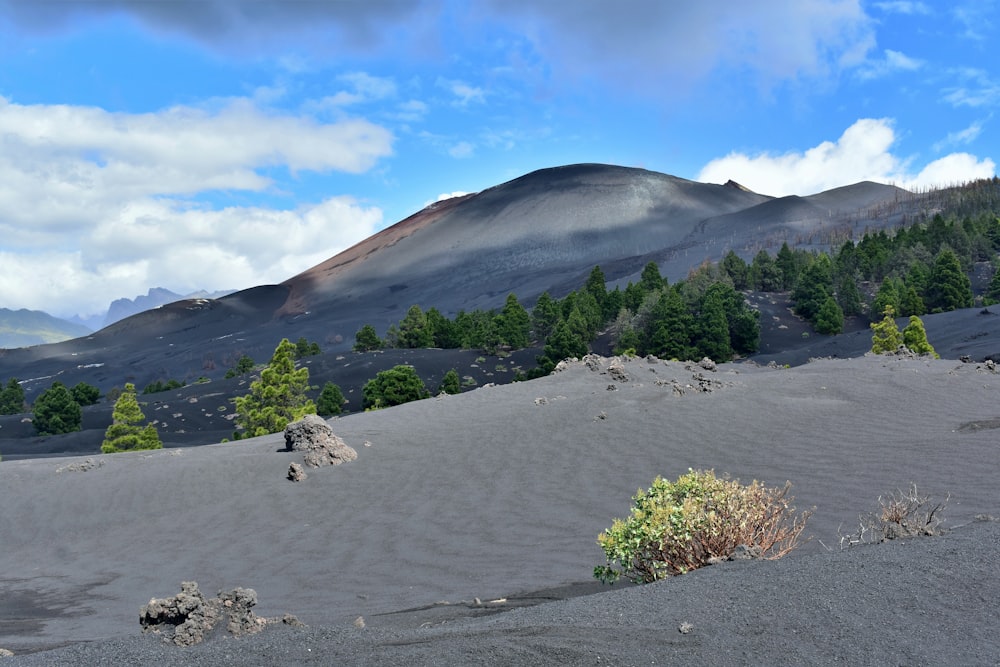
pixel 900 514
pixel 161 386
pixel 675 527
pixel 303 348
pixel 276 398
pixel 126 432
pixel 243 366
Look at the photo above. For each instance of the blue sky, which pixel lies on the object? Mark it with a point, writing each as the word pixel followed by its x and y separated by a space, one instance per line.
pixel 216 144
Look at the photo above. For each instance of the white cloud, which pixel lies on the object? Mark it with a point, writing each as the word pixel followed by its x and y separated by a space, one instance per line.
pixel 863 152
pixel 961 137
pixel 451 195
pixel 893 62
pixel 97 205
pixel 649 45
pixel 903 7
pixel 363 88
pixel 462 149
pixel 977 89
pixel 464 93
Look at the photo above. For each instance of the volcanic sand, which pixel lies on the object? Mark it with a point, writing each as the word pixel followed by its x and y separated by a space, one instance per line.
pixel 459 507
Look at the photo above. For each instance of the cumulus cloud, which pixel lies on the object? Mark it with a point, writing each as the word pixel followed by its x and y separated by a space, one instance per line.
pixel 862 153
pixel 893 62
pixel 648 44
pixel 235 25
pixel 96 205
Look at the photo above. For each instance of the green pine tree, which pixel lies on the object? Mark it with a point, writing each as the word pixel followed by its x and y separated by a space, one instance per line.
pixel 830 318
pixel 277 398
pixel 949 288
pixel 885 334
pixel 331 401
pixel 400 384
pixel 126 432
pixel 366 339
pixel 450 383
pixel 12 398
pixel 56 411
pixel 915 338
pixel 513 324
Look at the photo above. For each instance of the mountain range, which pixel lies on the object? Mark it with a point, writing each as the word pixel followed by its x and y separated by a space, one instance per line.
pixel 541 232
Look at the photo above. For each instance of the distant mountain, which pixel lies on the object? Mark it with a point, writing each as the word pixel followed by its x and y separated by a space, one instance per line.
pixel 156 297
pixel 23 328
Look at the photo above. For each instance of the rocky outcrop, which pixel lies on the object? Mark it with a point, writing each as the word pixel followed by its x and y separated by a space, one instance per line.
pixel 187 618
pixel 313 436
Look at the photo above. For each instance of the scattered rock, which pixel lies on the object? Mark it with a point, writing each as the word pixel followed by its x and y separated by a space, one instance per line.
pixel 707 364
pixel 617 371
pixel 292 620
pixel 359 622
pixel 189 617
pixel 295 472
pixel 4 653
pixel 83 466
pixel 612 387
pixel 593 362
pixel 745 552
pixel 601 416
pixel 541 400
pixel 322 447
pixel 685 627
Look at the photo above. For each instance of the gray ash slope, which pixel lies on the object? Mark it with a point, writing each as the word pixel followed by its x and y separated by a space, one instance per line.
pixel 496 495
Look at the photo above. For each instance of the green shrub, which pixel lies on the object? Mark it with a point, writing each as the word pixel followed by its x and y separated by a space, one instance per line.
pixel 675 527
pixel 400 384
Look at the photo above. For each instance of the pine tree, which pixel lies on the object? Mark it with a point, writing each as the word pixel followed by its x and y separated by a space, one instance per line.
pixel 366 339
pixel 12 398
pixel 413 331
pixel 56 411
pixel 125 432
pixel 277 398
pixel 400 384
pixel 830 318
pixel 915 338
pixel 885 334
pixel 513 324
pixel 331 401
pixel 949 287
pixel 450 383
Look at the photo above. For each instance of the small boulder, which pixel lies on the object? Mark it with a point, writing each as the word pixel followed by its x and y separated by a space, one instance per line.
pixel 295 472
pixel 322 447
pixel 707 364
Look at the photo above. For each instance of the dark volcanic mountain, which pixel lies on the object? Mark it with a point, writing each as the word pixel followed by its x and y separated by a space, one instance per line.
pixel 543 231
